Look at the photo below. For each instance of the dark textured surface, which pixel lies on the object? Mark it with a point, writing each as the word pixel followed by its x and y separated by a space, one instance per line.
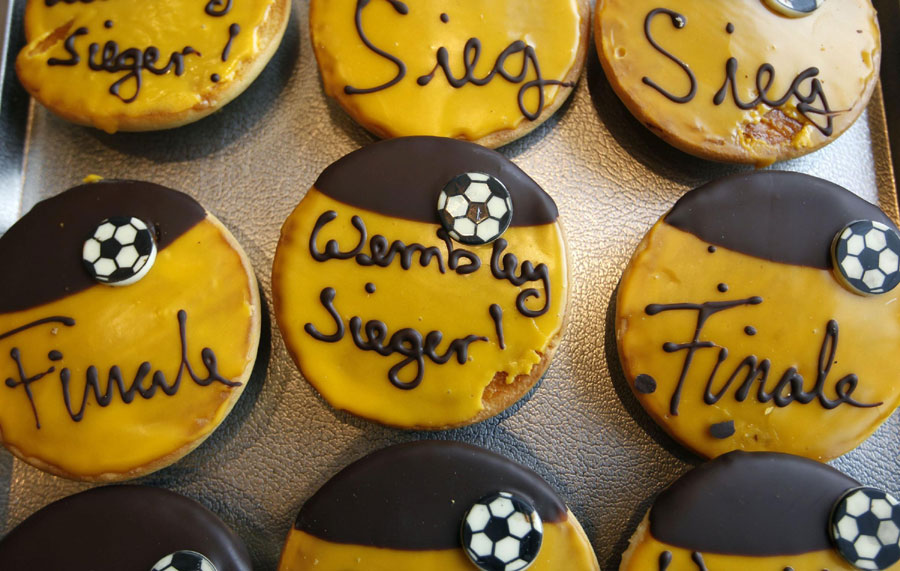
pixel 582 429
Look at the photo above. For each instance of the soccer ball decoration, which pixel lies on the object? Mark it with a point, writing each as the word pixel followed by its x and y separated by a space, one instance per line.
pixel 475 208
pixel 502 532
pixel 866 256
pixel 865 527
pixel 184 561
pixel 795 8
pixel 120 252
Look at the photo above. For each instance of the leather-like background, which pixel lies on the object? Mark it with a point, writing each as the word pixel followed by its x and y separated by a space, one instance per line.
pixel 581 429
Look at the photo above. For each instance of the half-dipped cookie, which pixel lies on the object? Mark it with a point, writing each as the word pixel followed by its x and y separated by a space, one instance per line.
pixel 129 324
pixel 746 81
pixel 436 505
pixel 421 283
pixel 121 65
pixel 124 528
pixel 767 512
pixel 760 314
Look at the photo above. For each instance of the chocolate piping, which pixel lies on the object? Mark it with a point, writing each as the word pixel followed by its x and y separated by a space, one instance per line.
pixel 414 496
pixel 44 246
pixel 120 527
pixel 754 504
pixel 679 21
pixel 403 177
pixel 783 217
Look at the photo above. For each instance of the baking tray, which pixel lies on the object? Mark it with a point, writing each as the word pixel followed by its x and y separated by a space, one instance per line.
pixel 251 163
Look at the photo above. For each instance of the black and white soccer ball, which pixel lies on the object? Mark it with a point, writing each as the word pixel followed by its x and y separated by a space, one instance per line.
pixel 865 527
pixel 120 252
pixel 475 208
pixel 502 532
pixel 184 561
pixel 795 8
pixel 866 256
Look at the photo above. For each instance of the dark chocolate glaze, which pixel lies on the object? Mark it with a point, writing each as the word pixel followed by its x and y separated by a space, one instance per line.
pixel 44 247
pixel 403 177
pixel 756 504
pixel 779 216
pixel 119 528
pixel 414 496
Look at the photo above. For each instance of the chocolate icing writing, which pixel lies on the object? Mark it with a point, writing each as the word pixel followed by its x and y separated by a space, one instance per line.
pixel 382 253
pixel 470 57
pixel 427 506
pixel 754 504
pixel 115 381
pixel 665 559
pixel 24 380
pixel 233 31
pixel 115 373
pixel 497 315
pixel 51 3
pixel 506 270
pixel 132 60
pixel 402 178
pixel 722 430
pixel 810 105
pixel 784 217
pixel 120 527
pixel 407 342
pixel 218 7
pixel 765 77
pixel 55 229
pixel 697 558
pixel 789 388
pixel 401 9
pixel 679 21
pixel 472 54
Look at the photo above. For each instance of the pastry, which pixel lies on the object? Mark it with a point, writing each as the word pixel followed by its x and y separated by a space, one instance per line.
pixel 120 65
pixel 766 512
pixel 402 295
pixel 129 327
pixel 745 81
pixel 396 510
pixel 737 329
pixel 124 528
pixel 487 72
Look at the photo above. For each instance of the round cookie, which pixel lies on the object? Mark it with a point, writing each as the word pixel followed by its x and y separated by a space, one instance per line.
pixel 390 318
pixel 109 381
pixel 397 510
pixel 762 511
pixel 121 528
pixel 488 72
pixel 735 331
pixel 745 81
pixel 123 66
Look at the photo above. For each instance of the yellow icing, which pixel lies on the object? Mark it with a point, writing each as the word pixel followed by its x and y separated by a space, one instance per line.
pixel 564 547
pixel 124 326
pixel 419 298
pixel 841 39
pixel 83 95
pixel 551 27
pixel 644 551
pixel 673 266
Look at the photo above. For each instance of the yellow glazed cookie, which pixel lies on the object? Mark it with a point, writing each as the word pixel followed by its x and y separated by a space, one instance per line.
pixel 487 72
pixel 737 329
pixel 139 66
pixel 764 511
pixel 409 319
pixel 129 323
pixel 747 81
pixel 396 510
